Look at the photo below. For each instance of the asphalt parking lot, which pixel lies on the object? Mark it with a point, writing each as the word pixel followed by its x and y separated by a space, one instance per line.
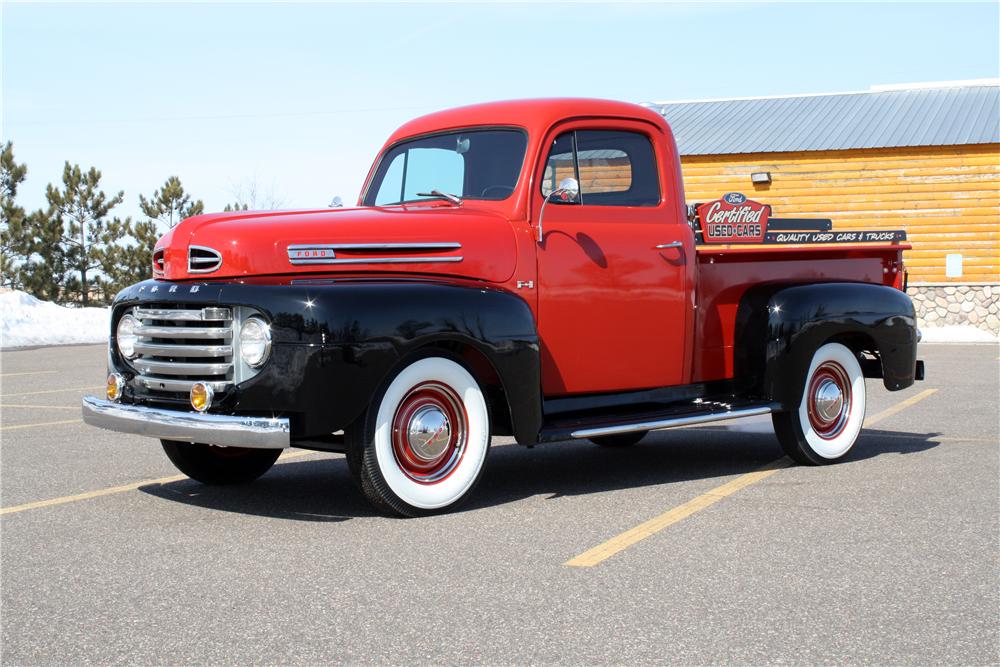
pixel 891 557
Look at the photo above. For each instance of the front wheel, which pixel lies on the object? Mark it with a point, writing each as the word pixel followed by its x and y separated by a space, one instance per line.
pixel 210 464
pixel 831 412
pixel 421 445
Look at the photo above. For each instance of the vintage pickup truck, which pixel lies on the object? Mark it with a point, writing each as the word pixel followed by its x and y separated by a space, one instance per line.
pixel 526 268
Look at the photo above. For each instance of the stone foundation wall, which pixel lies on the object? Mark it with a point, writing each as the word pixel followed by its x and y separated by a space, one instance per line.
pixel 940 305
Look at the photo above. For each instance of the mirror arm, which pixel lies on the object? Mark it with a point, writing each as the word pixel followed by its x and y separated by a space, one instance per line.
pixel 568 186
pixel 541 212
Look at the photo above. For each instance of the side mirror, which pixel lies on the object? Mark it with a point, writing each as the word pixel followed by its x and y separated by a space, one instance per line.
pixel 568 192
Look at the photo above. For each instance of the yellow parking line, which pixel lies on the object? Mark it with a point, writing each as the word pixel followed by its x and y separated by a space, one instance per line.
pixel 606 550
pixel 10 375
pixel 43 407
pixel 119 489
pixel 50 391
pixel 89 495
pixel 20 426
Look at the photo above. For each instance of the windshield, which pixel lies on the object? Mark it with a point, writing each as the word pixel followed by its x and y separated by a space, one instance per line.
pixel 473 164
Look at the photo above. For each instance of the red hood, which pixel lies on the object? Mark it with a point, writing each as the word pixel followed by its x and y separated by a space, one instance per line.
pixel 257 243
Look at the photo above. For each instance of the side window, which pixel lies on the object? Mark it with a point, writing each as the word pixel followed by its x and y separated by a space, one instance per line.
pixel 604 170
pixel 614 168
pixel 617 169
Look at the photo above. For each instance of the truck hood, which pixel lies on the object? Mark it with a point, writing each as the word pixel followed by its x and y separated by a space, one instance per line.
pixel 439 240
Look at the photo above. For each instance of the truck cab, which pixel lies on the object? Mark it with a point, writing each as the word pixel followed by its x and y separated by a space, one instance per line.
pixel 526 268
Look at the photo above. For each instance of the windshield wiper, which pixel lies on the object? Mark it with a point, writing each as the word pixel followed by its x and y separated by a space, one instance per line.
pixel 454 199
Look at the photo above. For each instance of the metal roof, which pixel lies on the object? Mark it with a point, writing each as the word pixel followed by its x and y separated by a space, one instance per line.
pixel 945 116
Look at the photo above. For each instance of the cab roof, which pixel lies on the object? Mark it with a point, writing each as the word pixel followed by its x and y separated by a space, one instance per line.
pixel 534 115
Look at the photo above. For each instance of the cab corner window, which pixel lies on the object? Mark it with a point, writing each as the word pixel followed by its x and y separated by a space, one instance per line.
pixel 614 168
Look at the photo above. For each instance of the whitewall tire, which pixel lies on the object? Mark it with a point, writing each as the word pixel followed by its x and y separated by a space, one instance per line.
pixel 422 444
pixel 831 412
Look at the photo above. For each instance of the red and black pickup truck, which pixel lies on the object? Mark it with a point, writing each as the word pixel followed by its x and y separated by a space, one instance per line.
pixel 523 268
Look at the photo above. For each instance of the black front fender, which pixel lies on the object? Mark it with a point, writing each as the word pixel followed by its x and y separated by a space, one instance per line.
pixel 335 342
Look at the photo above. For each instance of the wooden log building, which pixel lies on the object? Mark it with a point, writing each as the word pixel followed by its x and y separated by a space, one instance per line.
pixel 923 157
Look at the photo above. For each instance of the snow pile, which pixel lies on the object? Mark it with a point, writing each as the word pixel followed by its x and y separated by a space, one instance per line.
pixel 28 321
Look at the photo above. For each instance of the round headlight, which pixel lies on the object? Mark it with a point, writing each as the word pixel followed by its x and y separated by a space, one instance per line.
pixel 126 336
pixel 255 341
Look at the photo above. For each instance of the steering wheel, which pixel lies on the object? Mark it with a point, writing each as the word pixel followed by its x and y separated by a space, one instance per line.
pixel 502 190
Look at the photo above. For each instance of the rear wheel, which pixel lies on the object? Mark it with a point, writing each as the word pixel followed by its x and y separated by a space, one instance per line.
pixel 210 464
pixel 421 445
pixel 828 420
pixel 619 440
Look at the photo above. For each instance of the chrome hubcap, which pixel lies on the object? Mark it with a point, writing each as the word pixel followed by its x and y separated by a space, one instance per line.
pixel 829 400
pixel 428 433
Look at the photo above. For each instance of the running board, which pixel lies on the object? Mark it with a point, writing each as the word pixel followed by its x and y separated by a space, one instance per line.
pixel 677 416
pixel 662 424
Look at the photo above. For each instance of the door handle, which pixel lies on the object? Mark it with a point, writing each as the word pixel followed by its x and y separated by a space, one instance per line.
pixel 673 244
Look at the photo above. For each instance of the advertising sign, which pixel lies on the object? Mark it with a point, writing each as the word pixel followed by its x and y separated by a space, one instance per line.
pixel 734 219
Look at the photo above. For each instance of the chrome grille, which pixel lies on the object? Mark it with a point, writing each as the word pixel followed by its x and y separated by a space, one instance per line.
pixel 179 346
pixel 203 260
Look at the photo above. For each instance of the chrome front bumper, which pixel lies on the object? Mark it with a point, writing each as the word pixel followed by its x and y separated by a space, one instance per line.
pixel 232 431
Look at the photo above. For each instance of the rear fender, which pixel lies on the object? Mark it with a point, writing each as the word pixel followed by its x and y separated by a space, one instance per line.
pixel 780 327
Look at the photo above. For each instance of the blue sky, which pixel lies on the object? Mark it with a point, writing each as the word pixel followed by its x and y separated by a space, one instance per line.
pixel 299 98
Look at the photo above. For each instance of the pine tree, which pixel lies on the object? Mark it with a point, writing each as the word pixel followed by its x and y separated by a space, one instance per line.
pixel 84 207
pixel 140 262
pixel 43 273
pixel 124 265
pixel 235 207
pixel 13 245
pixel 170 204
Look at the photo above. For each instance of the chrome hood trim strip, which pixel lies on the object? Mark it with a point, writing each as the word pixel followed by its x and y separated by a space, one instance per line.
pixel 326 253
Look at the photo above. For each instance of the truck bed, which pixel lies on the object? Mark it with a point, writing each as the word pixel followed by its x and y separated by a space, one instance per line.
pixel 725 272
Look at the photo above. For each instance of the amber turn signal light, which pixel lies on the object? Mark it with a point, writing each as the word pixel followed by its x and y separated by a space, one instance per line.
pixel 201 396
pixel 116 385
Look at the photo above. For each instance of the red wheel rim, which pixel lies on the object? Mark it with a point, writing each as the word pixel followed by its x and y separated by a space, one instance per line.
pixel 429 432
pixel 829 400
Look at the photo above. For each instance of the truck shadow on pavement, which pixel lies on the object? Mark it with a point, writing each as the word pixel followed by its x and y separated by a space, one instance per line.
pixel 323 491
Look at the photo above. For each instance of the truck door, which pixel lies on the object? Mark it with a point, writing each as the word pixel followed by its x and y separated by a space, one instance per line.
pixel 613 310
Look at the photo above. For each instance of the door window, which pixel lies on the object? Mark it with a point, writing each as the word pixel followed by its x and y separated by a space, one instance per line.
pixel 614 168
